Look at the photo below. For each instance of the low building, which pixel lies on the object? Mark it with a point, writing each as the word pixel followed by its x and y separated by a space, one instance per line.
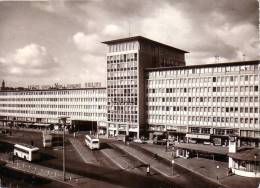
pixel 243 161
pixel 84 107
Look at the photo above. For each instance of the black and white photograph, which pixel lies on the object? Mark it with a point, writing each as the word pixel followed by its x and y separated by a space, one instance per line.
pixel 130 93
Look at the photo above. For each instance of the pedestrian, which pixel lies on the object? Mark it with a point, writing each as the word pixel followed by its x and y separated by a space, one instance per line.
pixel 229 171
pixel 148 170
pixel 155 156
pixel 13 157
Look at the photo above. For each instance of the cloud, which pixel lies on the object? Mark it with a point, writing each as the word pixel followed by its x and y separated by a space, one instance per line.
pixel 73 32
pixel 113 30
pixel 88 43
pixel 31 60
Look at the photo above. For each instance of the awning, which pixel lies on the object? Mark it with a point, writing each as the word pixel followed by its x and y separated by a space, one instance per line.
pixel 198 136
pixel 203 148
pixel 247 154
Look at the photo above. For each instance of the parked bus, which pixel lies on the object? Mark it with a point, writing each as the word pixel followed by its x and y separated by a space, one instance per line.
pixel 92 142
pixel 27 152
pixel 49 139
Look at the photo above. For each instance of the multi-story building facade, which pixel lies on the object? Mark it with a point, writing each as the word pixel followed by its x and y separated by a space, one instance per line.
pixel 46 106
pixel 149 88
pixel 126 62
pixel 206 102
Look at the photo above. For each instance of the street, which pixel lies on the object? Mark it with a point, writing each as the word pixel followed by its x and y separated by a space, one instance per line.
pixel 101 174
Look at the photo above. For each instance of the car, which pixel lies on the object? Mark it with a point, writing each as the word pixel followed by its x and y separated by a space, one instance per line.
pixel 160 142
pixel 139 141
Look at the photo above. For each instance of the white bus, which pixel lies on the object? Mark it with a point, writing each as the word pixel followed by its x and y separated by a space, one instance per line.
pixel 92 142
pixel 49 139
pixel 27 152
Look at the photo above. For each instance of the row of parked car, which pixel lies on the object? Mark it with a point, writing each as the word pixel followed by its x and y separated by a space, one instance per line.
pixel 156 140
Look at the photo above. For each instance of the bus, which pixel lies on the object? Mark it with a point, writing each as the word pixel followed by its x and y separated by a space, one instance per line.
pixel 27 152
pixel 49 139
pixel 92 142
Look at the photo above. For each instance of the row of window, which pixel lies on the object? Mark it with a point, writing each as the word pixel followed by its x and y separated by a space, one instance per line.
pixel 53 106
pixel 220 100
pixel 126 46
pixel 208 131
pixel 157 109
pixel 165 118
pixel 54 99
pixel 220 79
pixel 70 114
pixel 122 82
pixel 56 92
pixel 122 77
pixel 203 89
pixel 204 70
pixel 122 65
pixel 122 58
pixel 130 73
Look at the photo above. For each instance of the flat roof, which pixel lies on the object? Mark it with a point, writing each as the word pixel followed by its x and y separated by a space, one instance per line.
pixel 26 146
pixel 140 38
pixel 91 136
pixel 204 148
pixel 246 154
pixel 239 63
pixel 63 89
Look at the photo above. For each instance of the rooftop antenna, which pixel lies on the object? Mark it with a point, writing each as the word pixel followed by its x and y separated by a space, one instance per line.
pixel 244 57
pixel 129 29
pixel 259 29
pixel 216 58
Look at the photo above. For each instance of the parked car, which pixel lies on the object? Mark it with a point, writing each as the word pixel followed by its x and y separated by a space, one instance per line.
pixel 160 142
pixel 139 141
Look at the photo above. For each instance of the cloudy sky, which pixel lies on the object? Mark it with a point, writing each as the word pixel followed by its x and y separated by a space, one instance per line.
pixel 60 41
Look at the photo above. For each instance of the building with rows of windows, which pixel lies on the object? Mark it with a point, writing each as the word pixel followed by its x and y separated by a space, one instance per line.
pixel 127 60
pixel 46 106
pixel 205 103
pixel 150 88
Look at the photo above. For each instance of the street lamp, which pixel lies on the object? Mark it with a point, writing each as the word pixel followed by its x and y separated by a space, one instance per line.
pixel 63 121
pixel 217 168
pixel 172 165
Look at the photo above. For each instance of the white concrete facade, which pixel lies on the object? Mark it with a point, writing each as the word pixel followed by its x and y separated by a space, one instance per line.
pixel 218 99
pixel 122 88
pixel 48 105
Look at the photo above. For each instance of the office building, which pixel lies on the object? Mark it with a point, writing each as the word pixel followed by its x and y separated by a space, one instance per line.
pixel 82 106
pixel 206 103
pixel 127 60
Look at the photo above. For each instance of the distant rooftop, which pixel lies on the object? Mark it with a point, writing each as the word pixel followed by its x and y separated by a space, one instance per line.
pixel 141 38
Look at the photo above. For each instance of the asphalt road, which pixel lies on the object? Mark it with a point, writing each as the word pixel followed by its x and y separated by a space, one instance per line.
pixel 103 173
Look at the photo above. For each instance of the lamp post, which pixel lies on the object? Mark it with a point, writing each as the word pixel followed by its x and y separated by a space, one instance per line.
pixel 217 168
pixel 63 121
pixel 172 165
